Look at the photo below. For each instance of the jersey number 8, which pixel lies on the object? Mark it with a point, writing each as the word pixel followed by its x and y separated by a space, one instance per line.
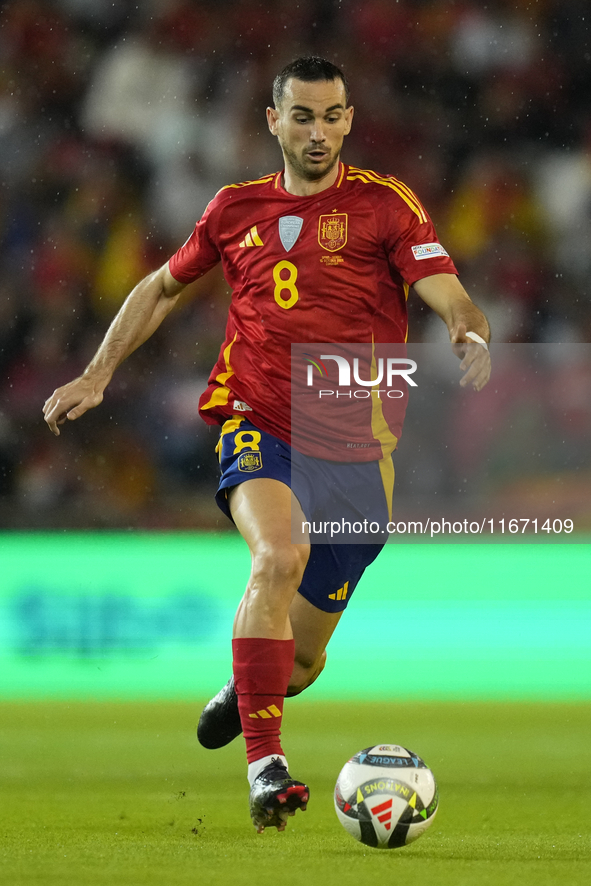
pixel 286 284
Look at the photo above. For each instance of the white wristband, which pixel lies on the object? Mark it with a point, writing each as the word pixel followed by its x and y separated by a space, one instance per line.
pixel 477 338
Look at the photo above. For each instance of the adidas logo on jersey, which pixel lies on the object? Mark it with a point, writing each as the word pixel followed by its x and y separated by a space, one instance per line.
pixel 252 238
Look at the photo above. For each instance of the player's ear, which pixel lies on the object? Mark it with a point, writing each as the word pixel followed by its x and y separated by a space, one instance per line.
pixel 348 119
pixel 272 118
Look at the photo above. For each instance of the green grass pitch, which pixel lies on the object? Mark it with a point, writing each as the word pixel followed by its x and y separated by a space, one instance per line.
pixel 121 794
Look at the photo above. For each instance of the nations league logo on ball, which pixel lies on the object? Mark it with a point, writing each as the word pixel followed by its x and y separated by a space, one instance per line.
pixel 386 796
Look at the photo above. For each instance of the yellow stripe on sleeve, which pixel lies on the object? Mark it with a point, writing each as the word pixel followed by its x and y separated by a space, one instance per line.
pixel 256 181
pixel 385 179
pixel 369 177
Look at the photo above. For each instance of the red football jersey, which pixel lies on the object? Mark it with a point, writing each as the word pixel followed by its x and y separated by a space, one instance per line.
pixel 331 267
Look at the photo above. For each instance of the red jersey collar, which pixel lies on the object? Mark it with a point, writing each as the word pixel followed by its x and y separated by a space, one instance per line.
pixel 339 179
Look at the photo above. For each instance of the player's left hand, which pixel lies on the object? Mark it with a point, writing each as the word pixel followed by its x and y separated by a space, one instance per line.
pixel 475 359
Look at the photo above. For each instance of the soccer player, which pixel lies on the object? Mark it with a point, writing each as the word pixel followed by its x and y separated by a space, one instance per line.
pixel 320 251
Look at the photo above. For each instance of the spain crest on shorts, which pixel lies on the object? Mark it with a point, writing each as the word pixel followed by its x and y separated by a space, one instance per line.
pixel 332 231
pixel 250 461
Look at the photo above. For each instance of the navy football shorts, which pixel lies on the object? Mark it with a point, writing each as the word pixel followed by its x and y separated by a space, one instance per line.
pixel 326 490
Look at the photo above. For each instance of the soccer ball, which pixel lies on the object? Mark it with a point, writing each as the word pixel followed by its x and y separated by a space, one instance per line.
pixel 386 796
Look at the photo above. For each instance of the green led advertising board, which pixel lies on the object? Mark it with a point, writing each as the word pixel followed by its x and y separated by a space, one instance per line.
pixel 150 616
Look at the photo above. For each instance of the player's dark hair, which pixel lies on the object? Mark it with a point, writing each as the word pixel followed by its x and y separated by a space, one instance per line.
pixel 309 68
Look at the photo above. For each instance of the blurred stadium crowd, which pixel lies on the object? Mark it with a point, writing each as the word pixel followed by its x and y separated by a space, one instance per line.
pixel 118 123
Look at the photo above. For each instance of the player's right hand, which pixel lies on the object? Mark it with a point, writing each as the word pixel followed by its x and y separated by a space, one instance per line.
pixel 71 401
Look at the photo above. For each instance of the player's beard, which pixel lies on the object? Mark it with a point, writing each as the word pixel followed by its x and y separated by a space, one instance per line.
pixel 305 168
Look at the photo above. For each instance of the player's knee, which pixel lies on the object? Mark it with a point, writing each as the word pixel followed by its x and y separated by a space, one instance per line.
pixel 306 669
pixel 279 567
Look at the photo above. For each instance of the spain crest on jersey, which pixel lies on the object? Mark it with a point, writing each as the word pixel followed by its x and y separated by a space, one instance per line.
pixel 332 231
